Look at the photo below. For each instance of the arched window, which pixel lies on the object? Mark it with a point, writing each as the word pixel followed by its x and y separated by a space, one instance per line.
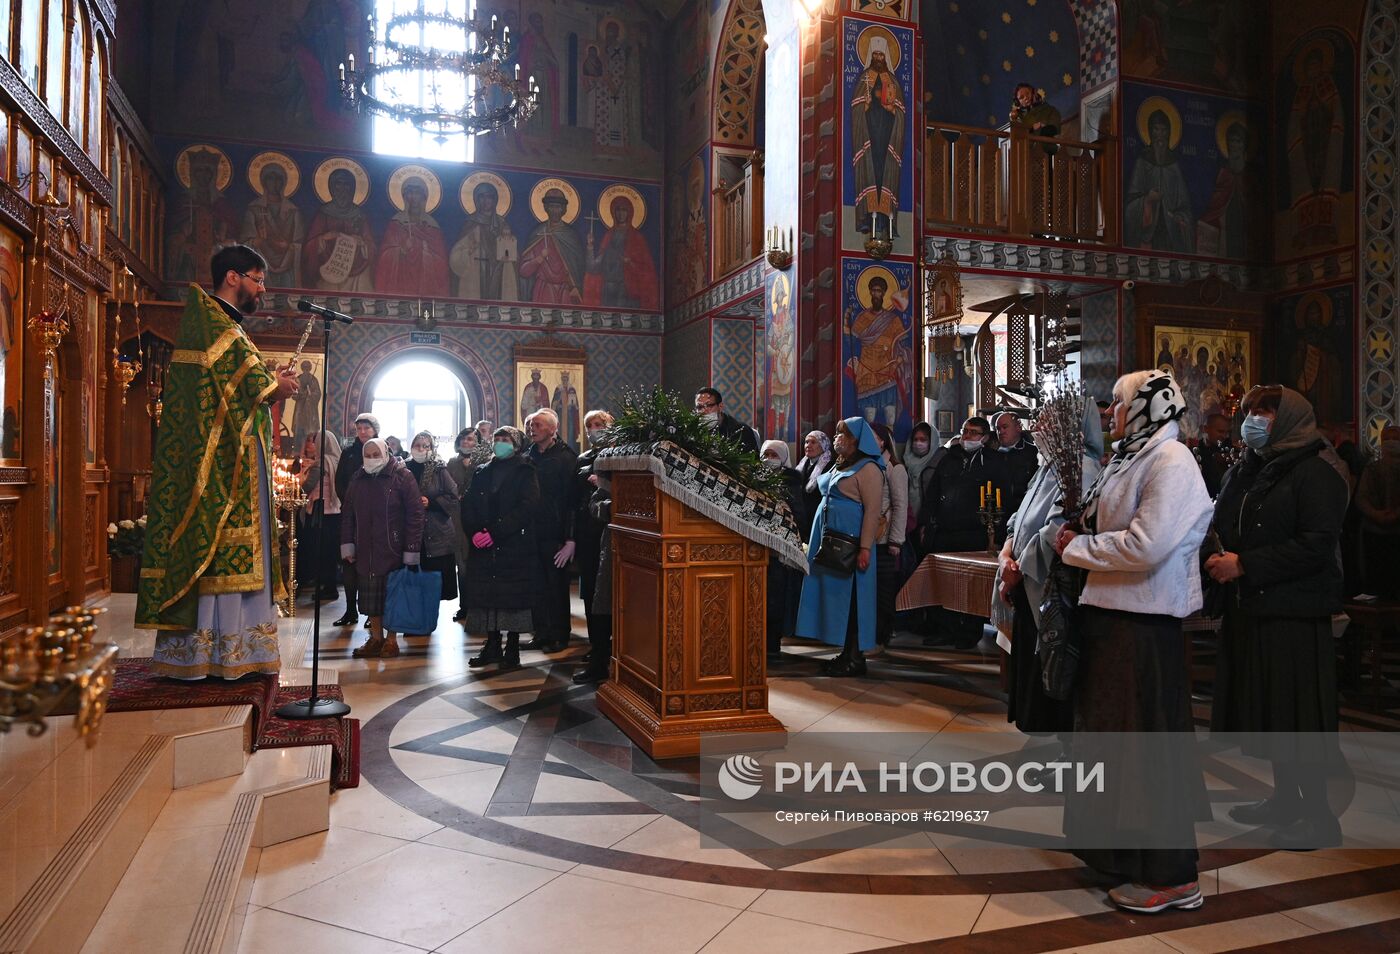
pixel 419 394
pixel 79 47
pixel 54 37
pixel 422 87
pixel 97 95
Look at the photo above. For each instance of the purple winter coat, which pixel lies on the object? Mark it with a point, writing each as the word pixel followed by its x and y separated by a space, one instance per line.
pixel 381 520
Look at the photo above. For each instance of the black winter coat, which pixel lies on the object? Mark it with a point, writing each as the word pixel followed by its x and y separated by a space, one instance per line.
pixel 556 470
pixel 352 461
pixel 588 532
pixel 1284 519
pixel 948 519
pixel 503 498
pixel 1012 471
pixel 737 431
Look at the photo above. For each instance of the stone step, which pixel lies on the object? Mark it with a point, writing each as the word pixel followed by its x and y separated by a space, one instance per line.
pixel 187 888
pixel 73 815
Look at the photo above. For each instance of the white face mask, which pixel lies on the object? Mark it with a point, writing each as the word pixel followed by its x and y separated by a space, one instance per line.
pixel 772 462
pixel 971 446
pixel 595 434
pixel 374 465
pixel 921 447
pixel 711 418
pixel 420 456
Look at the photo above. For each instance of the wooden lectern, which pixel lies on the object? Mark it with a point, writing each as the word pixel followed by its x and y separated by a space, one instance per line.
pixel 689 652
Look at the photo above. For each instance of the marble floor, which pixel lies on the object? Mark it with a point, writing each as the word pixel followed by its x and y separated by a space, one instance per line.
pixel 502 813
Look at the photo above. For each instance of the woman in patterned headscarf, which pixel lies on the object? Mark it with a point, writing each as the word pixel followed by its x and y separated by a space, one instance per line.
pixel 1144 520
pixel 816 460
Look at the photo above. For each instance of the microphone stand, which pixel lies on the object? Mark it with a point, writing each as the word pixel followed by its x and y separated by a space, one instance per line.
pixel 312 707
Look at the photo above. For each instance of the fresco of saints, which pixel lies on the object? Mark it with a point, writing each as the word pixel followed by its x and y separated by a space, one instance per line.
pixel 534 396
pixel 202 220
pixel 877 137
pixel 1235 203
pixel 413 257
pixel 881 354
pixel 780 358
pixel 306 418
pixel 622 274
pixel 1158 205
pixel 273 226
pixel 483 258
pixel 566 405
pixel 1315 135
pixel 339 245
pixel 551 266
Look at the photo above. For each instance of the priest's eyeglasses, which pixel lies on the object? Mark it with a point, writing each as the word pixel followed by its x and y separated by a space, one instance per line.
pixel 261 282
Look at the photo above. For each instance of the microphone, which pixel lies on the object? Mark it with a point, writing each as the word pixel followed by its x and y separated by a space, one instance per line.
pixel 307 305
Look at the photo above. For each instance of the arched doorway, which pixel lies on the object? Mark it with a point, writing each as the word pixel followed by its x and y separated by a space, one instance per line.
pixel 420 392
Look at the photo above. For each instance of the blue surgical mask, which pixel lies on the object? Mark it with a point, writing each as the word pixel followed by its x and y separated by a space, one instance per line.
pixel 503 448
pixel 1255 431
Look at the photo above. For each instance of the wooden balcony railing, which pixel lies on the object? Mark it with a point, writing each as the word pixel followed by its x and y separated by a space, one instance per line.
pixel 1019 185
pixel 739 218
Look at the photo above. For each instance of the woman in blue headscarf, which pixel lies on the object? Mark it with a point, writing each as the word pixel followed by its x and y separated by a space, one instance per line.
pixel 837 608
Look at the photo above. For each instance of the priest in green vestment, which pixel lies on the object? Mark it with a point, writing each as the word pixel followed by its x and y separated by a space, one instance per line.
pixel 210 574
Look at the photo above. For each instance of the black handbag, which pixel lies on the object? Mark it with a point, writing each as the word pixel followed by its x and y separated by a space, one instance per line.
pixel 1058 642
pixel 837 552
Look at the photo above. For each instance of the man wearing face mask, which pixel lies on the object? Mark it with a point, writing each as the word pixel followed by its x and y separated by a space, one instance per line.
pixel 1012 466
pixel 949 523
pixel 351 462
pixel 556 464
pixel 211 572
pixel 709 404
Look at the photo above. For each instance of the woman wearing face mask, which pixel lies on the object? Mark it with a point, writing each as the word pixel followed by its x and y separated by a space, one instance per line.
pixel 381 530
pixel 440 501
pixel 894 515
pixel 1279 517
pixel 1144 520
pixel 460 468
pixel 922 453
pixel 498 516
pixel 836 608
pixel 588 552
pixel 816 460
pixel 784 583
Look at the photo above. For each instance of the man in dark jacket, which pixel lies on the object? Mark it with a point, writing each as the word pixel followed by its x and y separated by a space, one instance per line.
pixel 351 463
pixel 709 404
pixel 949 522
pixel 557 466
pixel 1011 466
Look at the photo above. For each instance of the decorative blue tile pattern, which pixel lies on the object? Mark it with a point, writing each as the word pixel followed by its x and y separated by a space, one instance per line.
pixel 686 359
pixel 485 357
pixel 1063 261
pixel 1098 355
pixel 731 365
pixel 1098 42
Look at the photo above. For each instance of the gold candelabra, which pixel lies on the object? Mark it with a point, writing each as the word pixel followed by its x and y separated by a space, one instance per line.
pixel 125 368
pixel 48 329
pixel 778 248
pixel 990 513
pixel 880 243
pixel 57 668
pixel 288 497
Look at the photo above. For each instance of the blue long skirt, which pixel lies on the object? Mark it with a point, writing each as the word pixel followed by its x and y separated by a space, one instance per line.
pixel 826 595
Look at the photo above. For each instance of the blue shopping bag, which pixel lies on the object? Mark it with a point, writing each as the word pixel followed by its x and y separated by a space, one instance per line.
pixel 411 601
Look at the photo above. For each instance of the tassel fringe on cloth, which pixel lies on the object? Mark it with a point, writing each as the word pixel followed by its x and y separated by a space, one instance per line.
pixel 715 494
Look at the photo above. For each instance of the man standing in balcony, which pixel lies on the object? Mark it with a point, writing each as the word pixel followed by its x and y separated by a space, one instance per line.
pixel 877 141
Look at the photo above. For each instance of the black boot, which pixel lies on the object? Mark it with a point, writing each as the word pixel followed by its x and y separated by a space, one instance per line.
pixel 351 616
pixel 511 659
pixel 491 652
pixel 843 665
pixel 1275 812
pixel 537 642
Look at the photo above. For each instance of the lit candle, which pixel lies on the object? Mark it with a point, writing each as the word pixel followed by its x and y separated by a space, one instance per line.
pixel 998 498
pixel 982 495
pixel 342 72
pixel 351 60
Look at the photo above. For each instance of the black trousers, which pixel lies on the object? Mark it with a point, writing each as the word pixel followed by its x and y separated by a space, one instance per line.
pixel 552 618
pixel 351 580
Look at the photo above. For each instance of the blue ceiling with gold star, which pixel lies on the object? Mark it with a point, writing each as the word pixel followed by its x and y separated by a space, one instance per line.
pixel 976 51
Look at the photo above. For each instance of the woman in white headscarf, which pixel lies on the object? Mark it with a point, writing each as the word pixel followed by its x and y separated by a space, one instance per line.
pixel 321 520
pixel 816 460
pixel 1144 520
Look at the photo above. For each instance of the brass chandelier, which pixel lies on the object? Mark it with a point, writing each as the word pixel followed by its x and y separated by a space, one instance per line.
pixel 465 90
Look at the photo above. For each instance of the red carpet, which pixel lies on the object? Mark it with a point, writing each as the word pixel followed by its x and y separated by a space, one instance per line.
pixel 135 687
pixel 343 735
